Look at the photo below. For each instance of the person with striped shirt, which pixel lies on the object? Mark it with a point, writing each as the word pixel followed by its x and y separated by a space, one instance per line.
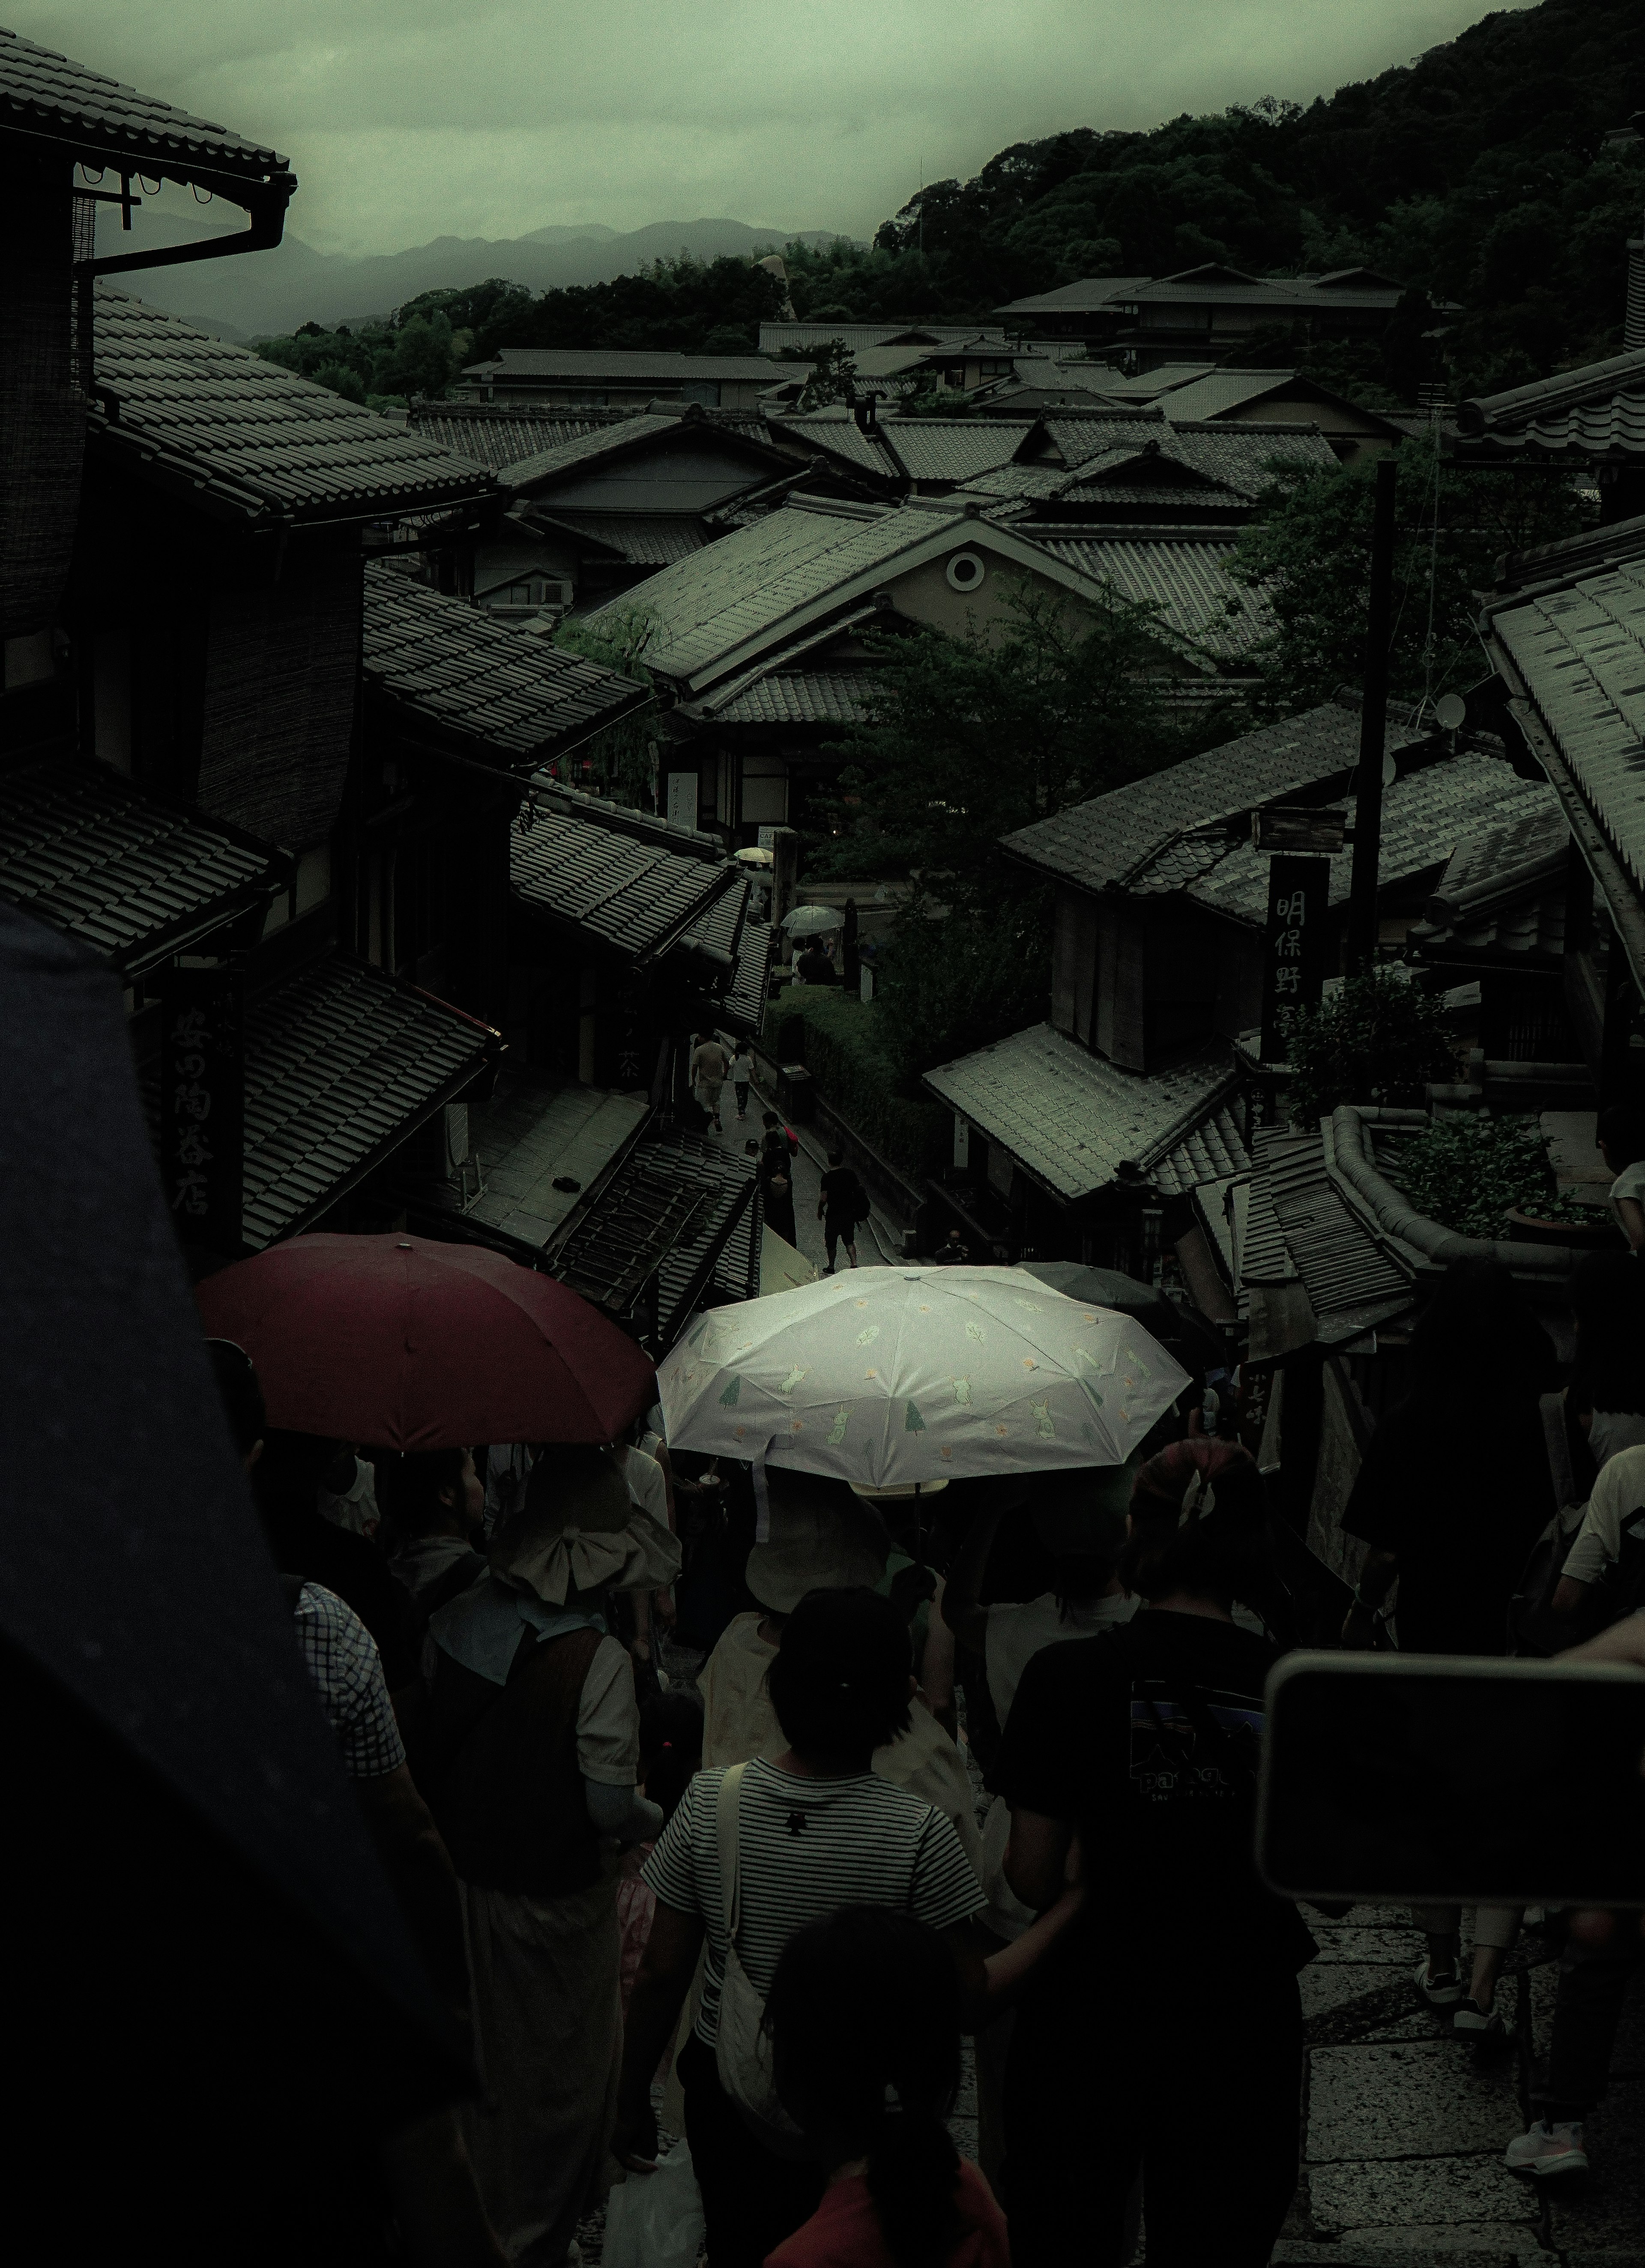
pixel 817 1832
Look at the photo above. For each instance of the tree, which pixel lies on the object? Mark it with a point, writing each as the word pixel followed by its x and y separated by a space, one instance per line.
pixel 620 762
pixel 1308 552
pixel 1376 1038
pixel 970 737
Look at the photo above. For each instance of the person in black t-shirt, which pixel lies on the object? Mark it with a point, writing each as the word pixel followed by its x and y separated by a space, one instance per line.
pixel 843 1203
pixel 1168 2034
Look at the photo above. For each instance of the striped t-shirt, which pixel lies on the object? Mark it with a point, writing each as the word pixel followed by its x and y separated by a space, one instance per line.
pixel 806 1847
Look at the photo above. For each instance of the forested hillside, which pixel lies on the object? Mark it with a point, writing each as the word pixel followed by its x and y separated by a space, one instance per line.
pixel 1475 174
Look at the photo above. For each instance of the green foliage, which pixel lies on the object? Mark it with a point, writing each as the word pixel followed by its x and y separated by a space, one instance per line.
pixel 1309 550
pixel 970 737
pixel 834 375
pixel 843 1048
pixel 620 762
pixel 1465 1173
pixel 949 986
pixel 1375 1039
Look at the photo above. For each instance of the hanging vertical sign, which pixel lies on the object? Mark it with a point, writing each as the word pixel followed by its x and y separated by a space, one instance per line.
pixel 202 1105
pixel 1299 893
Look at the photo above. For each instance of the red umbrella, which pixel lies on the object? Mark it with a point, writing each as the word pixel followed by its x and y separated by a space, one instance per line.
pixel 408 1343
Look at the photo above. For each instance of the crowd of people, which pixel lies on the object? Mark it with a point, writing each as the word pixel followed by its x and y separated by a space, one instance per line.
pixel 756 1902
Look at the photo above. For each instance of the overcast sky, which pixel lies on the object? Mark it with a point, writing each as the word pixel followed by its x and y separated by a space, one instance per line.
pixel 411 118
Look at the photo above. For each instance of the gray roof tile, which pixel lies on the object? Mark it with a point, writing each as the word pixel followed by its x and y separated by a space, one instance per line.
pixel 254 437
pixel 42 91
pixel 637 884
pixel 464 670
pixel 1098 843
pixel 1071 1118
pixel 135 880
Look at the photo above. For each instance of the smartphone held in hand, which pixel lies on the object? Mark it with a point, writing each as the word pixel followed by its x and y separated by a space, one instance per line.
pixel 1449 1779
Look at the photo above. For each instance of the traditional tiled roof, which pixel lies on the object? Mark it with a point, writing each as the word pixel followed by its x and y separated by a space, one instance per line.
pixel 1070 1118
pixel 1082 298
pixel 342 1064
pixel 721 609
pixel 644 539
pixel 44 92
pixel 1426 813
pixel 1598 411
pixel 1190 580
pixel 1100 842
pixel 626 365
pixel 637 885
pixel 136 879
pixel 822 695
pixel 527 470
pixel 248 438
pixel 1351 1279
pixel 835 434
pixel 670 1211
pixel 461 670
pixel 498 433
pixel 950 448
pixel 1579 651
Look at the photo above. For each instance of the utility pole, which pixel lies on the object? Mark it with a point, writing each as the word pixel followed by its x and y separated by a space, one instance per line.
pixel 1362 952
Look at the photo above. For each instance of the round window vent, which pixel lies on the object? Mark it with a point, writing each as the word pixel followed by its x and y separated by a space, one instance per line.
pixel 965 571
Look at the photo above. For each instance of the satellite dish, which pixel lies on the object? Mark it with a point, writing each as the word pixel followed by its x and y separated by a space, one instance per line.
pixel 1451 710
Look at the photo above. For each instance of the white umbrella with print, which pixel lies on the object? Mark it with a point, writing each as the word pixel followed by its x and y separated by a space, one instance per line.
pixel 889 1376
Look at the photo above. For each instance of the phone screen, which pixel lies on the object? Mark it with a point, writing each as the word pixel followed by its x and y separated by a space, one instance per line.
pixel 1440 1780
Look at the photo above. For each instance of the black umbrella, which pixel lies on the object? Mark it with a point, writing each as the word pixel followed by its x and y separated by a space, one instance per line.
pixel 1189 1337
pixel 195 1884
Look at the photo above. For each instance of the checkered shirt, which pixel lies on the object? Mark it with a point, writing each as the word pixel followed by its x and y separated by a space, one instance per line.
pixel 341 1657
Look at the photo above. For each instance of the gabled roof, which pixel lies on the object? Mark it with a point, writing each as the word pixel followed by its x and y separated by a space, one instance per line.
pixel 718 611
pixel 950 448
pixel 628 365
pixel 542 465
pixel 135 879
pixel 1071 1118
pixel 498 433
pixel 1098 843
pixel 1187 577
pixel 249 440
pixel 1594 412
pixel 44 93
pixel 1084 297
pixel 453 668
pixel 635 884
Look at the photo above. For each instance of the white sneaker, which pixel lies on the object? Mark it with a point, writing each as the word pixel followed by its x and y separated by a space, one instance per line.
pixel 1444 1994
pixel 1548 2150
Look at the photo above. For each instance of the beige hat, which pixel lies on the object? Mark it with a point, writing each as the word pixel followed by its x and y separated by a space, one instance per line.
pixel 823 1538
pixel 580 1529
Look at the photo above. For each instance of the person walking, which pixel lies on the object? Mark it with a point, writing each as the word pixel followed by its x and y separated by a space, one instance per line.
pixel 742 1075
pixel 529 1760
pixel 754 1853
pixel 776 1176
pixel 864 2018
pixel 1168 2023
pixel 842 1204
pixel 708 1070
pixel 1454 1491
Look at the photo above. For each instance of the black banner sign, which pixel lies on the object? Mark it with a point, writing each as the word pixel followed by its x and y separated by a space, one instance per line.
pixel 1299 892
pixel 202 1105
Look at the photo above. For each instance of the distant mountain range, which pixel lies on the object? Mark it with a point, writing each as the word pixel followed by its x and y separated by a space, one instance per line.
pixel 255 294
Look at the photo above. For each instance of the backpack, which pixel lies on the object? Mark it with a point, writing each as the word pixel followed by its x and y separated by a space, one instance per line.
pixel 742 2050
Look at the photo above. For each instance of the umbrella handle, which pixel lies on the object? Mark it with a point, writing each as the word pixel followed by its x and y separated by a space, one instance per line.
pixel 762 1494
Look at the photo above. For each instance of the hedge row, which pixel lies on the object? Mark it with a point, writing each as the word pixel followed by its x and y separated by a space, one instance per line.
pixel 839 1046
